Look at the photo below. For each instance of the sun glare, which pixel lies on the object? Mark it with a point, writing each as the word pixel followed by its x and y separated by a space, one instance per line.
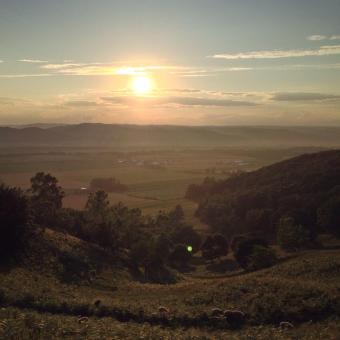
pixel 141 85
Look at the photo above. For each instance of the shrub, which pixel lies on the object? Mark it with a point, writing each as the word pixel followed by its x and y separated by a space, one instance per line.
pixel 148 255
pixel 214 247
pixel 14 219
pixel 73 267
pixel 236 240
pixel 291 236
pixel 180 255
pixel 245 250
pixel 261 257
pixel 188 236
pixel 163 247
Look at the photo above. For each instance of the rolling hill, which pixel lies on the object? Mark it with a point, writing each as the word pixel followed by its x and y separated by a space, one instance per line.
pixel 296 187
pixel 165 136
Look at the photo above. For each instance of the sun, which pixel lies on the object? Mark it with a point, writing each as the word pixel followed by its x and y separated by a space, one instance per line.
pixel 141 85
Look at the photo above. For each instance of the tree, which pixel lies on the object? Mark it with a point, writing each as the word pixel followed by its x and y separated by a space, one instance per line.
pixel 292 236
pixel 71 221
pixel 236 241
pixel 245 248
pixel 14 221
pixel 177 214
pixel 46 198
pixel 329 216
pixel 102 224
pixel 261 257
pixel 145 254
pixel 206 248
pixel 188 236
pixel 180 255
pixel 98 204
pixel 214 247
pixel 163 247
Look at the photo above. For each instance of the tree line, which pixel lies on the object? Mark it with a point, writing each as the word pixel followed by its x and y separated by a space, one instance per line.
pixel 302 194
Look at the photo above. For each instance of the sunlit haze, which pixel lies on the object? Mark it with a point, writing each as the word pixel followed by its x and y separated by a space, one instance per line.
pixel 198 62
pixel 141 85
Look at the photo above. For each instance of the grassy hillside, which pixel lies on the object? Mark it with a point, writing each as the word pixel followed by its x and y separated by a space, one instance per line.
pixel 296 187
pixel 65 287
pixel 303 290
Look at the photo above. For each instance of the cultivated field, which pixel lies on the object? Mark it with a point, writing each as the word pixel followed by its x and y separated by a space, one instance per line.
pixel 157 180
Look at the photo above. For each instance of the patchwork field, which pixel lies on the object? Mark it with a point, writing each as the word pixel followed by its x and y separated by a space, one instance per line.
pixel 156 179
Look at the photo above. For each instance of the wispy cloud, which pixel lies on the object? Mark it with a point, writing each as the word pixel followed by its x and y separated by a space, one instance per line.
pixel 33 61
pixel 25 75
pixel 319 37
pixel 1 61
pixel 275 54
pixel 316 37
pixel 104 69
pixel 303 96
pixel 81 103
pixel 184 101
pixel 62 66
pixel 110 69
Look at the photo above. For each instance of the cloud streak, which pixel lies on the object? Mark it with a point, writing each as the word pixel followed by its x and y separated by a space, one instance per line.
pixel 183 101
pixel 25 75
pixel 104 69
pixel 276 54
pixel 318 37
pixel 81 103
pixel 33 61
pixel 303 96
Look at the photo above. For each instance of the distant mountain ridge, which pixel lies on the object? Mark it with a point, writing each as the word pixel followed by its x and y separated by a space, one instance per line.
pixel 113 135
pixel 38 125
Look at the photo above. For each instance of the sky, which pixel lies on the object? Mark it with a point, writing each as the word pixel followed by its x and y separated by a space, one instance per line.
pixel 183 62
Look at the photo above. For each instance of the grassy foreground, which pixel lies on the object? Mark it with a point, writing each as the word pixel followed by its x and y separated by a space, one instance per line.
pixel 37 301
pixel 23 324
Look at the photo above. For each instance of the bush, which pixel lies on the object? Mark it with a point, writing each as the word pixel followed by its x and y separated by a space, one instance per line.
pixel 291 236
pixel 236 240
pixel 188 236
pixel 14 221
pixel 180 255
pixel 261 257
pixel 214 247
pixel 147 254
pixel 245 249
pixel 73 267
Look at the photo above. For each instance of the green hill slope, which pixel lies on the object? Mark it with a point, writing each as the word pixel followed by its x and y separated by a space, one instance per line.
pixel 304 290
pixel 295 187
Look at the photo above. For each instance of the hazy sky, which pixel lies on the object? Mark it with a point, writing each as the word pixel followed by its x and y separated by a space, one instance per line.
pixel 207 61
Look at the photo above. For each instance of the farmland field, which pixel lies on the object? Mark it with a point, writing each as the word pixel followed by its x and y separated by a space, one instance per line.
pixel 156 180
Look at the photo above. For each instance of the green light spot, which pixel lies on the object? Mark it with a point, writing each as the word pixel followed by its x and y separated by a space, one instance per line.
pixel 189 249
